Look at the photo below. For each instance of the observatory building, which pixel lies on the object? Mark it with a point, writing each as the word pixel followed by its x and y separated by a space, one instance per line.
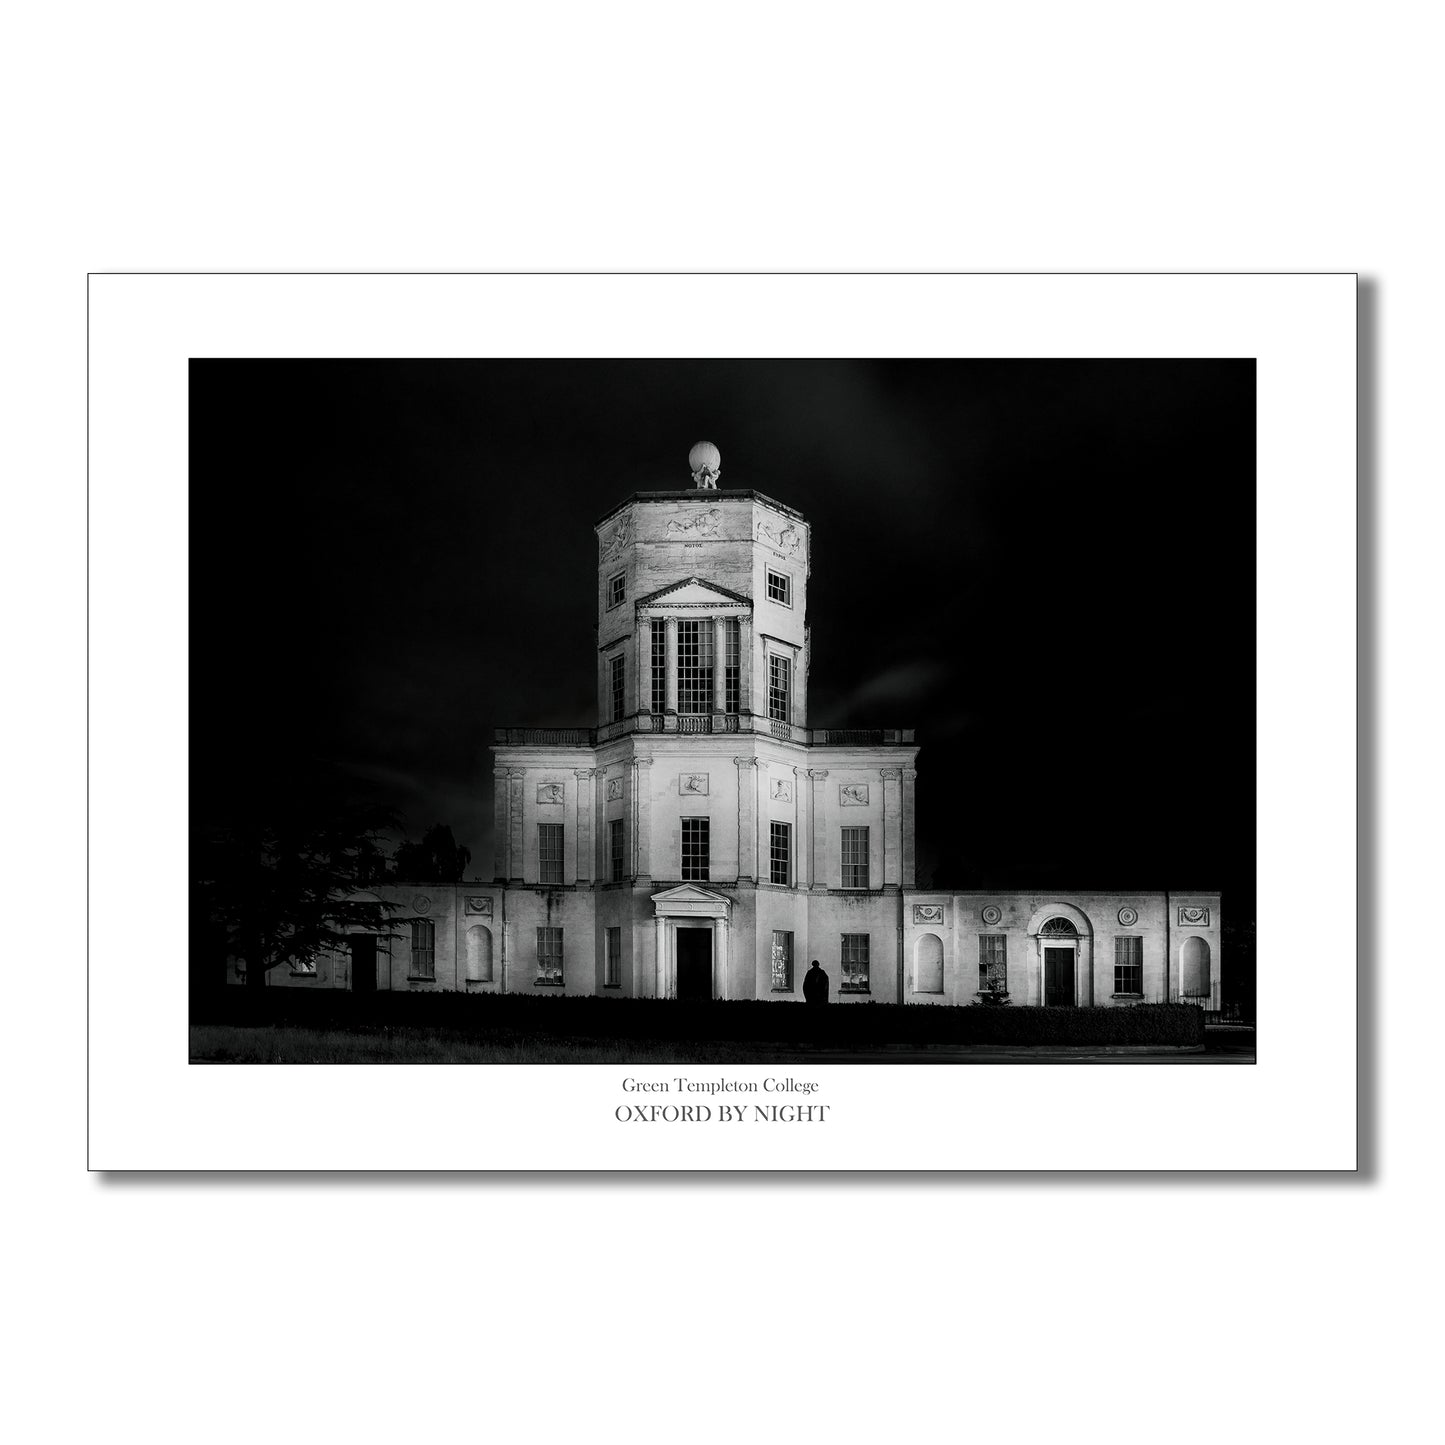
pixel 703 841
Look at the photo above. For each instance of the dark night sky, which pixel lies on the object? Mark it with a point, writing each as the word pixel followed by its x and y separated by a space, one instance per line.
pixel 1046 567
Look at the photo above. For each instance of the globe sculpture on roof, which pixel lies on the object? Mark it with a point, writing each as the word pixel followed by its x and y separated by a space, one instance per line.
pixel 706 463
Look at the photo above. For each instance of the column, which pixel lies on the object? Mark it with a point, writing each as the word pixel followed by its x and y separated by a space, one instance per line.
pixel 657 970
pixel 720 954
pixel 747 827
pixel 671 624
pixel 745 663
pixel 643 670
pixel 719 667
pixel 642 814
pixel 892 825
pixel 583 848
pixel 909 824
pixel 818 841
pixel 515 862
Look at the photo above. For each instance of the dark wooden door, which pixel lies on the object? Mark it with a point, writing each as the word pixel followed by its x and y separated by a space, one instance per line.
pixel 694 963
pixel 363 963
pixel 1058 976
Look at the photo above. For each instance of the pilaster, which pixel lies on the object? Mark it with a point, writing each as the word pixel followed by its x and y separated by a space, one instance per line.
pixel 517 844
pixel 719 665
pixel 745 663
pixel 892 825
pixel 643 670
pixel 583 850
pixel 817 832
pixel 747 820
pixel 671 624
pixel 642 818
pixel 909 823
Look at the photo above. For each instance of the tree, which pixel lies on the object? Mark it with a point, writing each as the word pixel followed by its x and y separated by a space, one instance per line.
pixel 438 858
pixel 282 879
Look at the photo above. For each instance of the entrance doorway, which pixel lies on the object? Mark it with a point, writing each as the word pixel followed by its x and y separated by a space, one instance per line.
pixel 1059 976
pixel 694 963
pixel 363 963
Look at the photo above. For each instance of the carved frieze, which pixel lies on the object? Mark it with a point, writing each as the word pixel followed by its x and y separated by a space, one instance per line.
pixel 549 793
pixel 928 913
pixel 1190 917
pixel 852 795
pixel 701 525
pixel 480 905
pixel 786 539
pixel 783 790
pixel 614 789
pixel 694 784
pixel 618 539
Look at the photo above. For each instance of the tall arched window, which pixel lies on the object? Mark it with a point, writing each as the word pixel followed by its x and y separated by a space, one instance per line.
pixel 928 964
pixel 479 954
pixel 1194 969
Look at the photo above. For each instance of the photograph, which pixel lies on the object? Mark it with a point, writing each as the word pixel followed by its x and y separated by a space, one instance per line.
pixel 635 711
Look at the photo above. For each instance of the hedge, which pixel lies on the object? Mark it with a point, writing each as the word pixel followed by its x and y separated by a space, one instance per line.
pixel 501 1017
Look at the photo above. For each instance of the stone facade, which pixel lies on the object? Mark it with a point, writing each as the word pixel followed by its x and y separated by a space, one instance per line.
pixel 703 841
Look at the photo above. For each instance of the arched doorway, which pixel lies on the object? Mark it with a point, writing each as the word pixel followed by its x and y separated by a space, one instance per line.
pixel 1059 940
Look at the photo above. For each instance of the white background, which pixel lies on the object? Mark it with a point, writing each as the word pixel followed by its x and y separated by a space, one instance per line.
pixel 1103 137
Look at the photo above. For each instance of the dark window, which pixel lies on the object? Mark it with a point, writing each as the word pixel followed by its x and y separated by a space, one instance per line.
pixel 694 850
pixel 855 857
pixel 617 678
pixel 549 852
pixel 780 850
pixel 617 589
pixel 615 847
pixel 782 962
pixel 694 666
pixel 732 670
pixel 992 963
pixel 780 670
pixel 549 957
pixel 423 948
pixel 780 588
pixel 612 963
pixel 1129 965
pixel 659 665
pixel 855 963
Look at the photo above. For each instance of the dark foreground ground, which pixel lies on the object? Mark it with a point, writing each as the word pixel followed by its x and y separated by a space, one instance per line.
pixel 290 1027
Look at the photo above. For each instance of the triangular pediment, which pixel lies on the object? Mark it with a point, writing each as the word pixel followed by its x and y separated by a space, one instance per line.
pixel 691 592
pixel 689 898
pixel 689 893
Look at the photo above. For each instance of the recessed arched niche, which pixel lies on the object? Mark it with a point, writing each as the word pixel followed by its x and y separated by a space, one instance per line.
pixel 1194 980
pixel 928 964
pixel 479 954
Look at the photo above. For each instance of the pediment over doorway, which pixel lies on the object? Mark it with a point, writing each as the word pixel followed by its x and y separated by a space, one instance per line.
pixel 691 901
pixel 693 592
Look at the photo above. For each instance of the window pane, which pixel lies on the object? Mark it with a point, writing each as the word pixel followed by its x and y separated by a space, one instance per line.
pixel 549 956
pixel 855 857
pixel 549 852
pixel 612 969
pixel 780 850
pixel 992 963
pixel 659 665
pixel 423 948
pixel 1129 965
pixel 694 850
pixel 783 961
pixel 618 680
pixel 855 962
pixel 694 666
pixel 615 848
pixel 780 588
pixel 732 672
pixel 779 687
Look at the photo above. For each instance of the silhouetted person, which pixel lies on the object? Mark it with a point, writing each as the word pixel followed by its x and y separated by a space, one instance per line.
pixel 815 984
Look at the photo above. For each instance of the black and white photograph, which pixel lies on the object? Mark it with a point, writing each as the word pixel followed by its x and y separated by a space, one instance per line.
pixel 722 712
